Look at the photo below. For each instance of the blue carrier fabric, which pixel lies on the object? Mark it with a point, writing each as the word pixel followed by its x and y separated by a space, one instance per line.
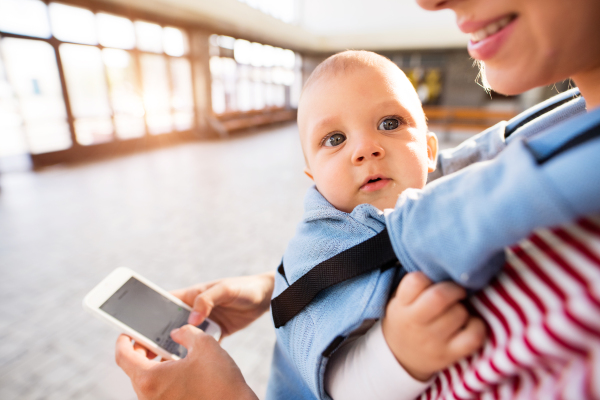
pixel 340 268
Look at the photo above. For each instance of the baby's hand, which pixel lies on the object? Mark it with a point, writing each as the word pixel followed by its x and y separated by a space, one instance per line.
pixel 427 328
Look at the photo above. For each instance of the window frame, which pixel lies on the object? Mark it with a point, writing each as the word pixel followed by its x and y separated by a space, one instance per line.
pixel 79 152
pixel 205 124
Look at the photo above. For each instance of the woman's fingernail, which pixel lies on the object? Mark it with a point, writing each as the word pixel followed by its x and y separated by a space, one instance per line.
pixel 194 318
pixel 174 331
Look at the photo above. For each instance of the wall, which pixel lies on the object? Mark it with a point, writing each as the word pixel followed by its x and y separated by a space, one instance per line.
pixel 459 88
pixel 378 24
pixel 321 26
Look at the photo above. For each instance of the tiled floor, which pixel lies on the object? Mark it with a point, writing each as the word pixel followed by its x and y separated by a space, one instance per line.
pixel 181 215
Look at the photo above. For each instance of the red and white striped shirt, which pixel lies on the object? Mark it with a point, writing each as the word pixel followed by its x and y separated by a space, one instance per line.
pixel 543 318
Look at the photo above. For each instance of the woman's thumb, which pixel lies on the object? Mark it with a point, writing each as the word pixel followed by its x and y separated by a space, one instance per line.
pixel 185 335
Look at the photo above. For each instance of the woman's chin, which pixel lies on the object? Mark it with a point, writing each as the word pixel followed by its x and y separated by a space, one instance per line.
pixel 509 84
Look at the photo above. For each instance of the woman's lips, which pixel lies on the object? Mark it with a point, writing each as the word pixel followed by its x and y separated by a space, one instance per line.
pixel 375 185
pixel 489 46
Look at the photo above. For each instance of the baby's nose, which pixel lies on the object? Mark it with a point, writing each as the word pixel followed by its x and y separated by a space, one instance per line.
pixel 366 151
pixel 373 155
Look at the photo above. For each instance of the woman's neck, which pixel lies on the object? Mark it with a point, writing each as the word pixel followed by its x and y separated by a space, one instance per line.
pixel 589 84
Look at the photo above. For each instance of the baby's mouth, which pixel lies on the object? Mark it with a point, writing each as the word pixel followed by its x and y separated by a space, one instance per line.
pixel 375 183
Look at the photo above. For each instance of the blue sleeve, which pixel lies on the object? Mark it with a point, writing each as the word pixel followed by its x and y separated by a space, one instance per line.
pixel 489 143
pixel 481 147
pixel 457 227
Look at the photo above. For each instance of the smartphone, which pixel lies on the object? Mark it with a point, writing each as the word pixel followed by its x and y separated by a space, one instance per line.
pixel 143 311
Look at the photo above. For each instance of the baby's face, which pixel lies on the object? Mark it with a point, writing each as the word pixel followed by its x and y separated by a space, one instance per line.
pixel 364 137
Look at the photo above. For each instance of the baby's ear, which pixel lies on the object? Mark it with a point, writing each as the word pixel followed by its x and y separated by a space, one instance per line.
pixel 307 172
pixel 432 151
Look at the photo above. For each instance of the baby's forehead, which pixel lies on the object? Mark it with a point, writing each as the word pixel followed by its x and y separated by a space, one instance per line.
pixel 348 71
pixel 388 78
pixel 354 69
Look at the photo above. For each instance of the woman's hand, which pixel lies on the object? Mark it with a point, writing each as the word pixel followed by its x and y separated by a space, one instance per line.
pixel 233 303
pixel 206 373
pixel 427 328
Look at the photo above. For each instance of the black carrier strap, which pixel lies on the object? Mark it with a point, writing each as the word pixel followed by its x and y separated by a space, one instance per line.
pixel 590 134
pixel 372 254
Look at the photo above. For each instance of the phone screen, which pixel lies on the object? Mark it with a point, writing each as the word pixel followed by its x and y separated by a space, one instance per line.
pixel 149 313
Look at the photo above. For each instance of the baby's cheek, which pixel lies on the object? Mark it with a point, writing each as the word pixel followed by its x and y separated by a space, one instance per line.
pixel 413 171
pixel 420 164
pixel 335 191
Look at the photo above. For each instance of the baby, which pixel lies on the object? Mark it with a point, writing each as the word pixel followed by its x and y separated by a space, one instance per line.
pixel 365 141
pixel 367 148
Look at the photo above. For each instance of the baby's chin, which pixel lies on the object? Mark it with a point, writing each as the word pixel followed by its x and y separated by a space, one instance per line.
pixel 384 203
pixel 381 200
pixel 379 203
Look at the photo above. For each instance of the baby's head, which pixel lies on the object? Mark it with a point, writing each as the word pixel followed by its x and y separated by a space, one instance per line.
pixel 363 131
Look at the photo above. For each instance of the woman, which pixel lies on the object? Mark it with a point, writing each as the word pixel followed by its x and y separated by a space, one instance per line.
pixel 521 44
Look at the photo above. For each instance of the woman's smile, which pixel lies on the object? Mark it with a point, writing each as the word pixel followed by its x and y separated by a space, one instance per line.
pixel 487 38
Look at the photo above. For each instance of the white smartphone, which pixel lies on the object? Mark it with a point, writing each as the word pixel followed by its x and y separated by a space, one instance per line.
pixel 143 311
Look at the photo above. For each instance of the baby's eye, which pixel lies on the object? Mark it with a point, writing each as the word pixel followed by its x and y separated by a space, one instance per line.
pixel 388 124
pixel 334 140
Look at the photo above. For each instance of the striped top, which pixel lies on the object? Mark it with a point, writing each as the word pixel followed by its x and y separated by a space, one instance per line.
pixel 543 318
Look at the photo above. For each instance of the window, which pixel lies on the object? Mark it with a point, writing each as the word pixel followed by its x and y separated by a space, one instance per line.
pixel 156 93
pixel 149 36
pixel 73 24
pixel 115 31
pixel 32 72
pixel 125 93
pixel 296 88
pixel 124 79
pixel 88 93
pixel 12 136
pixel 252 76
pixel 174 42
pixel 182 100
pixel 24 17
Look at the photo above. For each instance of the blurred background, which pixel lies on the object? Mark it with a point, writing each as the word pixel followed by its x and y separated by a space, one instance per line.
pixel 160 135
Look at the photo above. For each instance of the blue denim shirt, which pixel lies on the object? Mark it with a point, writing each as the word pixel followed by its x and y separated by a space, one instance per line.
pixel 454 228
